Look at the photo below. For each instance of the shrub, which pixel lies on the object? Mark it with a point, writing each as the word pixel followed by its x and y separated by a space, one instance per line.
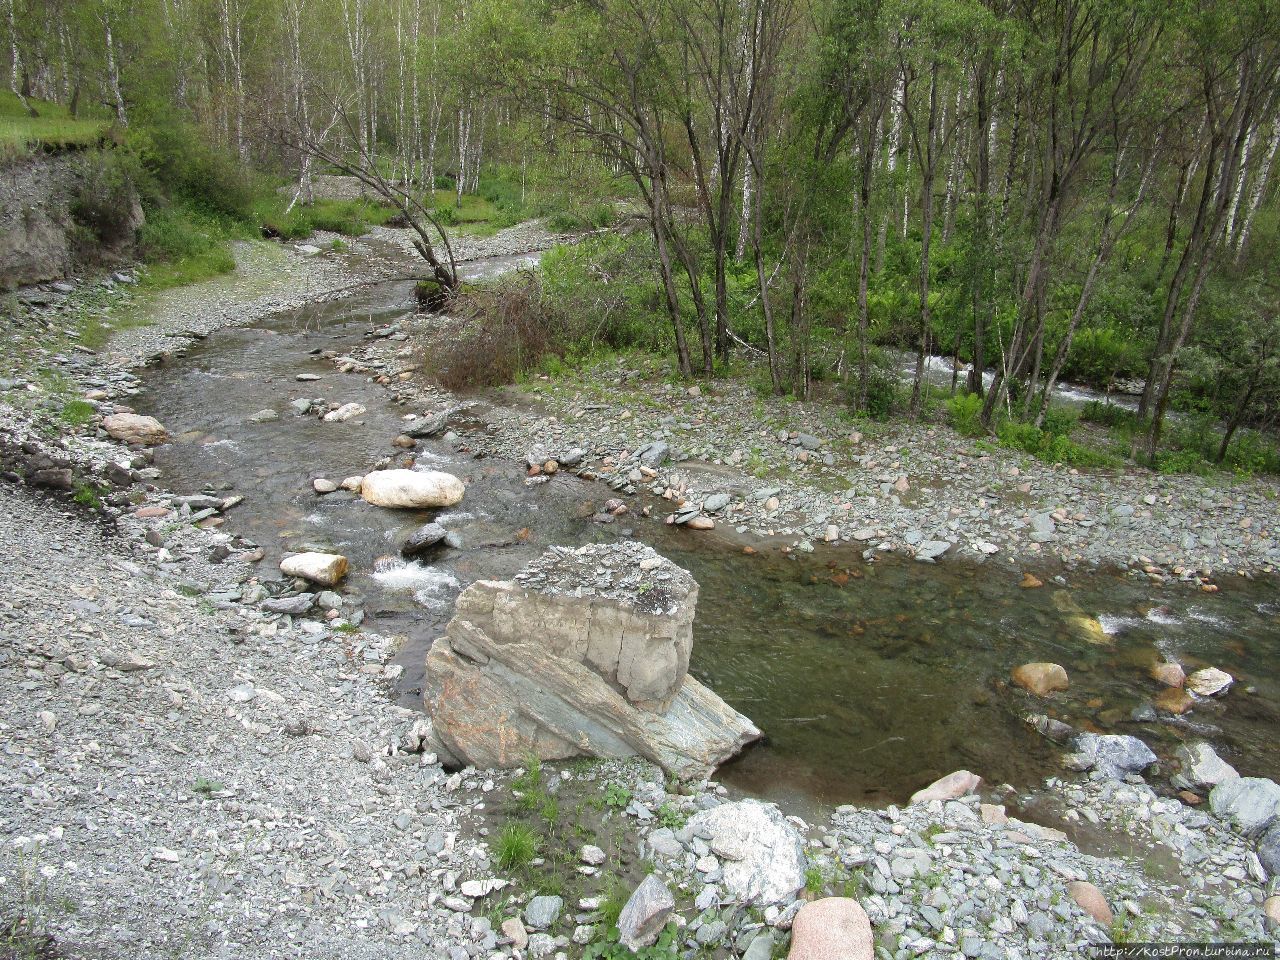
pixel 1050 447
pixel 502 332
pixel 1099 354
pixel 187 167
pixel 1059 421
pixel 105 198
pixel 965 410
pixel 883 394
pixel 1251 452
pixel 1183 461
pixel 1109 414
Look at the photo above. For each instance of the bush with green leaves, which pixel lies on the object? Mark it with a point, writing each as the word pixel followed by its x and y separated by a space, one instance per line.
pixel 965 411
pixel 105 198
pixel 1051 447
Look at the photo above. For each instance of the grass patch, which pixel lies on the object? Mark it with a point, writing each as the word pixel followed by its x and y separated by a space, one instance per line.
pixel 183 244
pixel 88 495
pixel 53 129
pixel 207 788
pixel 1051 446
pixel 350 218
pixel 516 846
pixel 76 413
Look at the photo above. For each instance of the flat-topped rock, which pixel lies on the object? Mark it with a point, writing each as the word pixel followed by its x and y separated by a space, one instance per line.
pixel 584 652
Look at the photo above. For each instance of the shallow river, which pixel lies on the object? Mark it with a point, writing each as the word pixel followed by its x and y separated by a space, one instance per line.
pixel 869 680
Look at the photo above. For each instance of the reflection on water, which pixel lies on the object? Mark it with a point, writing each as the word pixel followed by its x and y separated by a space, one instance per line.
pixel 869 681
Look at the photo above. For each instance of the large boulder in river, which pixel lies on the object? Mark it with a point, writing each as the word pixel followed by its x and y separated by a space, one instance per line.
pixel 762 855
pixel 135 429
pixel 325 569
pixel 412 489
pixel 1202 765
pixel 584 653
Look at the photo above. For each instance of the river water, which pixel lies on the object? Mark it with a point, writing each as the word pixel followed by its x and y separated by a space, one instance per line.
pixel 868 680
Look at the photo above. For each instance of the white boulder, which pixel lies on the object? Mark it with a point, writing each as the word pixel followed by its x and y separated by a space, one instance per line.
pixel 762 854
pixel 344 412
pixel 326 569
pixel 1250 803
pixel 413 489
pixel 1209 682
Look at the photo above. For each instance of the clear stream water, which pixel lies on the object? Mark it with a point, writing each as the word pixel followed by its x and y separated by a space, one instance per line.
pixel 868 680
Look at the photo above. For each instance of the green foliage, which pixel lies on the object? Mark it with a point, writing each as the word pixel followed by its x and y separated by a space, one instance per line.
pixel 528 786
pixel 1101 354
pixel 516 846
pixel 617 796
pixel 184 244
pixel 965 410
pixel 667 947
pixel 88 495
pixel 106 194
pixel 549 811
pixel 814 880
pixel 671 817
pixel 185 167
pixel 1109 415
pixel 611 904
pixel 349 217
pixel 884 395
pixel 76 413
pixel 207 788
pixel 1051 447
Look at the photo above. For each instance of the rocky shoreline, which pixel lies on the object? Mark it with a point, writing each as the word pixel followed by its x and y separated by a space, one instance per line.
pixel 190 762
pixel 802 475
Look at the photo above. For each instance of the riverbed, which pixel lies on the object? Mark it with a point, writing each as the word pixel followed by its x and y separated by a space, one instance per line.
pixel 868 679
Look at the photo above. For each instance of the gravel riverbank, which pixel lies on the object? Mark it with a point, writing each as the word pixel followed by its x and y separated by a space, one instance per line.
pixel 195 761
pixel 806 474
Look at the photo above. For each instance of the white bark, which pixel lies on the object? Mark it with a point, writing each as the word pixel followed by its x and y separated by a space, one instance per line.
pixel 113 72
pixel 15 56
pixel 353 20
pixel 415 122
pixel 1260 184
pixel 1238 192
